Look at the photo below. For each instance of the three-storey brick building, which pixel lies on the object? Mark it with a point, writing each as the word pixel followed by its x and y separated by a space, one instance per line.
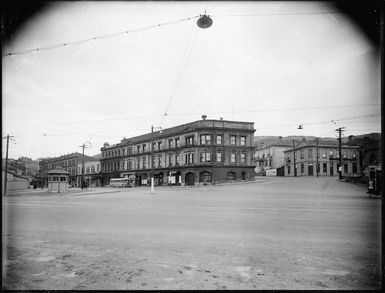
pixel 204 151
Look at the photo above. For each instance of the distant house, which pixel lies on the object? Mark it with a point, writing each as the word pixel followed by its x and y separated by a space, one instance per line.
pixel 15 182
pixel 269 157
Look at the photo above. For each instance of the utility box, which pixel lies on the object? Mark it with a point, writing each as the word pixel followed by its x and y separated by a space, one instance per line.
pixel 58 180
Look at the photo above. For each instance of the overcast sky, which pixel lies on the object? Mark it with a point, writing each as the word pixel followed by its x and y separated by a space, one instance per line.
pixel 277 64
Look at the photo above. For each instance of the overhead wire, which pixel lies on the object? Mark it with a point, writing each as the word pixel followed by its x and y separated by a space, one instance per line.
pixel 199 113
pixel 111 35
pixel 106 36
pixel 186 58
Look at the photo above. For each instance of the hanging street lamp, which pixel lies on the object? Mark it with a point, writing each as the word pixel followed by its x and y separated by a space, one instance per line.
pixel 204 21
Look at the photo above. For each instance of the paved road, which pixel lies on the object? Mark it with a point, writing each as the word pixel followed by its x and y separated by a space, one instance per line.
pixel 282 233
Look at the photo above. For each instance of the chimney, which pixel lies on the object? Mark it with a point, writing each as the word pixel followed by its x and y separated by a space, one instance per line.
pixel 204 117
pixel 106 145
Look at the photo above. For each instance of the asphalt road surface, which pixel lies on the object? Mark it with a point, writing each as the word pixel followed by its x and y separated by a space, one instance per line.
pixel 276 233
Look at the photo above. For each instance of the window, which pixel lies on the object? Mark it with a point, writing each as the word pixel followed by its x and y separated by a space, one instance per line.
pixel 177 144
pixel 93 169
pixel 190 158
pixel 130 165
pixel 205 139
pixel 233 140
pixel 219 156
pixel 354 154
pixel 323 154
pixel 169 160
pixel 159 145
pixel 310 153
pixel 189 140
pixel 288 169
pixel 324 168
pixel 55 178
pixel 345 155
pixel 345 168
pixel 205 176
pixel 288 159
pixel 97 168
pixel 231 176
pixel 243 158
pixel 138 147
pixel 63 179
pixel 233 158
pixel 331 154
pixel 219 139
pixel 170 144
pixel 354 167
pixel 144 162
pixel 302 169
pixel 205 157
pixel 159 162
pixel 243 140
pixel 144 148
pixel 154 146
pixel 302 154
pixel 176 160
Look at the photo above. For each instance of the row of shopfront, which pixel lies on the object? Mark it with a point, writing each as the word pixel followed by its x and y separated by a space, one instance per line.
pixel 184 176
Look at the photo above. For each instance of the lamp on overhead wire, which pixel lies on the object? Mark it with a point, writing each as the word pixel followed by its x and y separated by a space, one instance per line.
pixel 204 21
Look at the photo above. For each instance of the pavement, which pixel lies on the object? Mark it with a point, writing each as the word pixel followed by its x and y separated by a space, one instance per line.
pixel 277 233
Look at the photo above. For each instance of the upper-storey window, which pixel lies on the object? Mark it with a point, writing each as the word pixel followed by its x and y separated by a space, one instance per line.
pixel 243 158
pixel 189 140
pixel 205 157
pixel 159 145
pixel 205 139
pixel 354 154
pixel 219 139
pixel 302 154
pixel 144 147
pixel 243 140
pixel 310 153
pixel 233 140
pixel 177 144
pixel 138 149
pixel 170 143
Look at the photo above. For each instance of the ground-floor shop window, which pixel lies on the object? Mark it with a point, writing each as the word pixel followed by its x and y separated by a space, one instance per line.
pixel 231 176
pixel 205 176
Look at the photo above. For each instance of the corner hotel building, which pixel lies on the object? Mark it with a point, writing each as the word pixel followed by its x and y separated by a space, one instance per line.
pixel 200 152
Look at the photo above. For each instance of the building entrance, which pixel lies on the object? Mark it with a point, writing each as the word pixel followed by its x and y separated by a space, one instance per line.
pixel 190 178
pixel 310 170
pixel 331 170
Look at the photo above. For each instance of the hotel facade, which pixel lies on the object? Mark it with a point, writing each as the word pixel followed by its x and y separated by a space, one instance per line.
pixel 200 152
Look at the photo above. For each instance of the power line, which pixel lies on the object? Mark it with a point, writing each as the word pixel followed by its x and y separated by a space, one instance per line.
pixel 199 113
pixel 276 14
pixel 180 73
pixel 111 35
pixel 97 37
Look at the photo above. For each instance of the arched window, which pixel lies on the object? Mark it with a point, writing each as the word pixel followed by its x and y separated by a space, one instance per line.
pixel 205 176
pixel 231 175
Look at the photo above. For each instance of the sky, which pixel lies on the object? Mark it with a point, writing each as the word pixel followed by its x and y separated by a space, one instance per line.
pixel 277 64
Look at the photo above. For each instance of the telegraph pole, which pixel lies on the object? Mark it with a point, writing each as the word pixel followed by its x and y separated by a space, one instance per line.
pixel 83 146
pixel 340 151
pixel 317 167
pixel 152 159
pixel 6 164
pixel 295 169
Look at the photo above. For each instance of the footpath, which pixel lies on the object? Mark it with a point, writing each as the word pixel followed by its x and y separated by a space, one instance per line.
pixel 99 190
